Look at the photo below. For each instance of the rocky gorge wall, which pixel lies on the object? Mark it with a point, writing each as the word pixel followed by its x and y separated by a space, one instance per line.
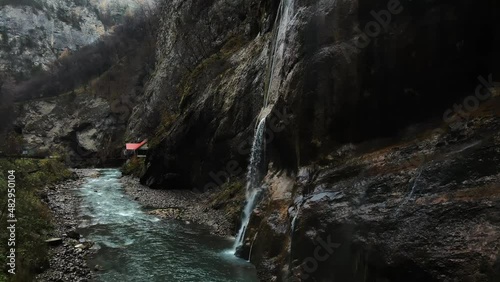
pixel 424 208
pixel 371 172
pixel 78 102
pixel 336 87
pixel 207 89
pixel 83 129
pixel 34 33
pixel 342 80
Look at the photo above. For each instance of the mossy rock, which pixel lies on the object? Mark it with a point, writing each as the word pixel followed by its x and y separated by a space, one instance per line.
pixel 134 167
pixel 230 198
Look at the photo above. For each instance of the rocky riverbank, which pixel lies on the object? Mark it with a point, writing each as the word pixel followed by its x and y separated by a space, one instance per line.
pixel 69 250
pixel 180 205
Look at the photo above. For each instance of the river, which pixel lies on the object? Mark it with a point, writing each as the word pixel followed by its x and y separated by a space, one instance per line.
pixel 135 246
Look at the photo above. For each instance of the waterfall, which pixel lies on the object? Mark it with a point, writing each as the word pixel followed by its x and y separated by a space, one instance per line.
pixel 294 220
pixel 415 184
pixel 253 188
pixel 275 63
pixel 292 229
pixel 251 246
pixel 283 19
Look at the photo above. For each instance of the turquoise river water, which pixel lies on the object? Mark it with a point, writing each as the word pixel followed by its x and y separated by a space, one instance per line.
pixel 135 246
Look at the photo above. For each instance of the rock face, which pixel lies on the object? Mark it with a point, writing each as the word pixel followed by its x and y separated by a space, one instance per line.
pixel 210 85
pixel 207 88
pixel 84 129
pixel 86 124
pixel 34 33
pixel 333 73
pixel 417 210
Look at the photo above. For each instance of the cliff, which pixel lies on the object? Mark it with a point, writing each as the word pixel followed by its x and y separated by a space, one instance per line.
pixel 346 87
pixel 34 33
pixel 80 106
pixel 370 127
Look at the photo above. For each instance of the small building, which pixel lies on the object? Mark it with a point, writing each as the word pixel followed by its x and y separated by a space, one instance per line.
pixel 137 149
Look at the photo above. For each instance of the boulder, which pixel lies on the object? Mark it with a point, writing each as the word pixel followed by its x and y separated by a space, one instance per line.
pixel 73 235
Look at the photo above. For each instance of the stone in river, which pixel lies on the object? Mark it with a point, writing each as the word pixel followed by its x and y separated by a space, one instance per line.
pixel 54 241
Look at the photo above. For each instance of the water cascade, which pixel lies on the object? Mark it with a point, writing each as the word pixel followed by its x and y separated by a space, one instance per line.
pixel 412 191
pixel 251 246
pixel 282 23
pixel 294 220
pixel 292 229
pixel 253 187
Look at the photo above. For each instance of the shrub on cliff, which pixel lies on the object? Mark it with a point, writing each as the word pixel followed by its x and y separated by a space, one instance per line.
pixel 127 51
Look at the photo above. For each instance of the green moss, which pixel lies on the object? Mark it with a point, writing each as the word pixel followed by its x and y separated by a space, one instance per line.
pixel 190 79
pixel 230 198
pixel 33 216
pixel 167 120
pixel 233 45
pixel 185 87
pixel 230 47
pixel 134 167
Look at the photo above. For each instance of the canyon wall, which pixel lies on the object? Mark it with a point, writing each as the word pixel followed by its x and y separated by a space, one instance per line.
pixel 371 173
pixel 359 159
pixel 34 33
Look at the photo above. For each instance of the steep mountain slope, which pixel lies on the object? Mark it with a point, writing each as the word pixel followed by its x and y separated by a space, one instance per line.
pixel 325 74
pixel 373 125
pixel 34 33
pixel 83 129
pixel 79 107
pixel 334 90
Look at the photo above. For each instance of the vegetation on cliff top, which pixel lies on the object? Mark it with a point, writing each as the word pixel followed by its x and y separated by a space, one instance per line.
pixel 112 67
pixel 131 42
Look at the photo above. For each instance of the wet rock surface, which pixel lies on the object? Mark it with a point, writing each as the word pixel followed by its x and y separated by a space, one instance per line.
pixel 415 208
pixel 338 85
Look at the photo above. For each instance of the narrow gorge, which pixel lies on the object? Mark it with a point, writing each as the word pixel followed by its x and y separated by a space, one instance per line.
pixel 258 140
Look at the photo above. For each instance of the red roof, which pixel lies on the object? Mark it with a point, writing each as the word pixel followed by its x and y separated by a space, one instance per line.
pixel 135 146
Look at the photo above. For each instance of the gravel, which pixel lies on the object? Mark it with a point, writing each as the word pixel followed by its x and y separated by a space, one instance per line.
pixel 194 206
pixel 67 262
